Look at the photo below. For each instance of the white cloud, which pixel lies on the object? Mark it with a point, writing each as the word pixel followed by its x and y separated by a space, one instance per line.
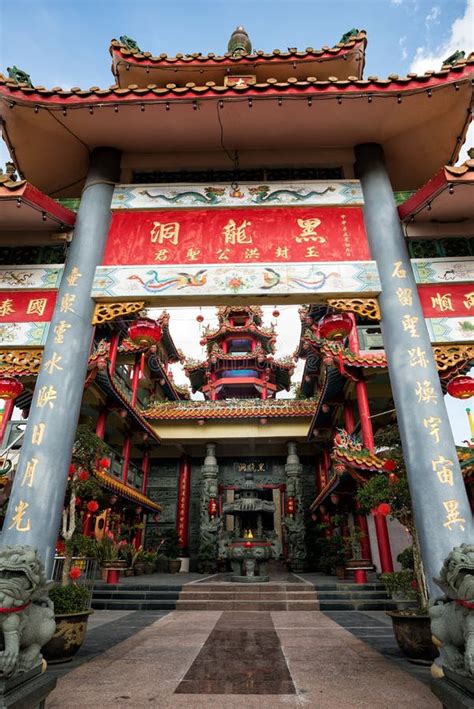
pixel 402 42
pixel 433 14
pixel 461 36
pixel 396 2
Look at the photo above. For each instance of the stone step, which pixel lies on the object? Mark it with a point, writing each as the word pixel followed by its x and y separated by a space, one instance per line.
pixel 348 595
pixel 247 595
pixel 357 605
pixel 255 605
pixel 101 586
pixel 139 595
pixel 229 586
pixel 133 605
pixel 349 586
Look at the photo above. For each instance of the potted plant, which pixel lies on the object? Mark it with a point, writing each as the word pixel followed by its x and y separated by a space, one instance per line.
pixel 401 586
pixel 128 553
pixel 109 555
pixel 207 563
pixel 184 558
pixel 388 493
pixel 71 610
pixel 150 566
pixel 139 564
pixel 354 560
pixel 172 551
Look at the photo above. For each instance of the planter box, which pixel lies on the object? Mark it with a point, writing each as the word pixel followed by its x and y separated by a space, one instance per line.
pixel 68 637
pixel 413 635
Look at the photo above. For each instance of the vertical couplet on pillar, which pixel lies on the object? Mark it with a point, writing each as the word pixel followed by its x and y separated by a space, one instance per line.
pixel 184 492
pixel 440 505
pixel 36 502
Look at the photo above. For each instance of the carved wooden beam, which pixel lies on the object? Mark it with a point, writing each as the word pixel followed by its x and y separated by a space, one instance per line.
pixel 20 361
pixel 103 312
pixel 366 307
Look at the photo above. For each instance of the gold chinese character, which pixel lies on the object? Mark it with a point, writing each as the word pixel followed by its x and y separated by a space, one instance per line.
pixel 443 469
pixel 6 307
pixel 36 306
pixel 451 507
pixel 67 302
pixel 223 254
pixel 469 300
pixel 17 518
pixel 398 271
pixel 234 234
pixel 409 324
pixel 74 276
pixel 60 331
pixel 442 302
pixel 169 231
pixel 29 475
pixel 433 423
pixel 417 357
pixel 251 253
pixel 193 254
pixel 404 296
pixel 46 395
pixel 53 363
pixel 38 433
pixel 282 252
pixel 311 252
pixel 425 392
pixel 308 231
pixel 162 255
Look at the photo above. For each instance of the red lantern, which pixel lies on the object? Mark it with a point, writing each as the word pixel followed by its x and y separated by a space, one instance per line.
pixel 83 476
pixel 212 507
pixel 78 501
pixel 10 387
pixel 334 498
pixel 200 318
pixel 248 545
pixel 389 466
pixel 276 313
pixel 75 573
pixel 383 509
pixel 72 470
pixel 393 478
pixel 290 506
pixel 92 506
pixel 145 332
pixel 461 387
pixel 202 342
pixel 103 463
pixel 336 326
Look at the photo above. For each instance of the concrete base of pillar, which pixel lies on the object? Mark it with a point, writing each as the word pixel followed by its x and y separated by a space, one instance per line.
pixel 454 691
pixel 26 691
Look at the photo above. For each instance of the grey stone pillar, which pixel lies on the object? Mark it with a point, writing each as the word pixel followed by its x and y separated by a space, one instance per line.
pixel 34 511
pixel 209 527
pixel 442 514
pixel 294 524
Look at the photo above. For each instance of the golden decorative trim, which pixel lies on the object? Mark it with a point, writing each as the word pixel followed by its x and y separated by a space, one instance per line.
pixel 366 307
pixel 448 356
pixel 103 312
pixel 26 361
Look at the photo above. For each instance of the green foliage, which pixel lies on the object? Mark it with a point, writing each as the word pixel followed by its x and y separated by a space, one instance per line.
pixel 172 548
pixel 207 558
pixel 80 545
pixel 107 549
pixel 400 584
pixel 332 553
pixel 373 492
pixel 406 558
pixel 87 447
pixel 70 599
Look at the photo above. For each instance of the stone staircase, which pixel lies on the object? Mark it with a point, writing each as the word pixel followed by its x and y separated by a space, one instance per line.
pixel 248 597
pixel 346 596
pixel 135 597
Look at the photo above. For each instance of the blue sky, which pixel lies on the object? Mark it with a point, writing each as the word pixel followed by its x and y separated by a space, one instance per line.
pixel 65 43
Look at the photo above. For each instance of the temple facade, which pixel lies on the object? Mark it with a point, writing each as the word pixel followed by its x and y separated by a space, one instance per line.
pixel 233 181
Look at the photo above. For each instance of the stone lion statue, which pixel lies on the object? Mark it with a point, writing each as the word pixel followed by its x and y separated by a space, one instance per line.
pixel 26 613
pixel 452 617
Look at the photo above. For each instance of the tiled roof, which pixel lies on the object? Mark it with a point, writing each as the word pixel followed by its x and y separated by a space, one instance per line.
pixel 125 491
pixel 363 459
pixel 256 55
pixel 458 171
pixel 231 409
pixel 333 85
pixel 9 184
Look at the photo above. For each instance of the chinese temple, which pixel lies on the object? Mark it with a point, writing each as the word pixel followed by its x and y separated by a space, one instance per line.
pixel 284 177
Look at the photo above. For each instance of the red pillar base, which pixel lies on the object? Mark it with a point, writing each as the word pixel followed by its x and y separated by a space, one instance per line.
pixel 113 576
pixel 360 576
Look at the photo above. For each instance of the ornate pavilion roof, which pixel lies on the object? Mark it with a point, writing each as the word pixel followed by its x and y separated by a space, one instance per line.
pixel 231 409
pixel 129 493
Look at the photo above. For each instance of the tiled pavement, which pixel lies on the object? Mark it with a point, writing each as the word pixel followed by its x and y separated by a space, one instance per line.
pixel 303 659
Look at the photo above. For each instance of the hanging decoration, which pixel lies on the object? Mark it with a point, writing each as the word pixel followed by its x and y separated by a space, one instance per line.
pixel 145 332
pixel 10 387
pixel 461 387
pixel 212 507
pixel 335 326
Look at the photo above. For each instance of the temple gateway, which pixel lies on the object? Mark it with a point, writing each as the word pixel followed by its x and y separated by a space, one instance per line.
pixel 238 181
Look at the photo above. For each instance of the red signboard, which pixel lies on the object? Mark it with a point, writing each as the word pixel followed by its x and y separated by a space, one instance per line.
pixel 27 305
pixel 265 235
pixel 447 301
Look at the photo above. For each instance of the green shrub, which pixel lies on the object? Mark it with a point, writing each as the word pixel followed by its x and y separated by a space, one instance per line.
pixel 70 599
pixel 405 558
pixel 400 583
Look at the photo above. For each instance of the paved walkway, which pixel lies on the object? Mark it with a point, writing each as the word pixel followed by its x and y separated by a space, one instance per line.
pixel 234 659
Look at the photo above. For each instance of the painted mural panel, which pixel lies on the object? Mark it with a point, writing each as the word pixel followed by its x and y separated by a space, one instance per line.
pixel 443 270
pixel 23 334
pixel 30 277
pixel 269 235
pixel 190 196
pixel 263 279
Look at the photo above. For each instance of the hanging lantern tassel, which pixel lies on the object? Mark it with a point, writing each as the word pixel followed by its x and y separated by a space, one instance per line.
pixel 142 365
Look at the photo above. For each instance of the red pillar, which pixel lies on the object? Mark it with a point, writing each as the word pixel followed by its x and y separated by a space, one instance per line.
pixel 361 523
pixel 383 543
pixel 101 423
pixel 135 379
pixel 127 444
pixel 184 490
pixel 145 470
pixel 7 414
pixel 349 423
pixel 114 343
